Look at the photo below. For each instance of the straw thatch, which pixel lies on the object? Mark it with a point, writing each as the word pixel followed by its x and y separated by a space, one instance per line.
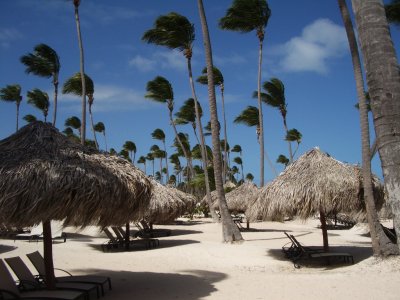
pixel 314 181
pixel 238 199
pixel 44 175
pixel 167 203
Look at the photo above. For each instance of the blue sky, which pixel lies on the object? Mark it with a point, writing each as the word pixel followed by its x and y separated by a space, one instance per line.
pixel 305 47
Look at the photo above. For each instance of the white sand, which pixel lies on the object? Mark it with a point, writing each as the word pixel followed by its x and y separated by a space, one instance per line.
pixel 193 263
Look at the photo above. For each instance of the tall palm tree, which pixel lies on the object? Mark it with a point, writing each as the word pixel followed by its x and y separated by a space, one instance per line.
pixel 293 135
pixel 150 157
pixel 238 149
pixel 230 231
pixel 249 177
pixel 184 138
pixel 218 81
pixel 101 128
pixel 74 122
pixel 44 62
pixel 82 69
pixel 142 160
pixel 380 243
pixel 393 12
pixel 249 117
pixel 275 96
pixel 131 148
pixel 29 118
pixel 158 134
pixel 239 161
pixel 187 115
pixel 282 159
pixel 160 90
pixel 246 16
pixel 12 93
pixel 175 31
pixel 73 85
pixel 174 159
pixel 40 100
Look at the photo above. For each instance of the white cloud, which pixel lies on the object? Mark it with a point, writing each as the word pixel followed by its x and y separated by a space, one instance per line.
pixel 110 98
pixel 8 35
pixel 319 42
pixel 229 60
pixel 165 60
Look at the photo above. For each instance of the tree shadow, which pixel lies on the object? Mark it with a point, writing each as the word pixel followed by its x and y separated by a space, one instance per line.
pixel 7 248
pixel 188 284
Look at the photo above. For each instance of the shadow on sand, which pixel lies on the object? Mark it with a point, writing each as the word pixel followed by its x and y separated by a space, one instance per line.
pixel 7 248
pixel 188 284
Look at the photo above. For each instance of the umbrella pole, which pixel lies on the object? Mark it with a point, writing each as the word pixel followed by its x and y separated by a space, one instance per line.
pixel 322 218
pixel 48 255
pixel 127 234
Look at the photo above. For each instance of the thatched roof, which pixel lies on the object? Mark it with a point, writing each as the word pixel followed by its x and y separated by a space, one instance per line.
pixel 238 199
pixel 167 203
pixel 314 180
pixel 44 175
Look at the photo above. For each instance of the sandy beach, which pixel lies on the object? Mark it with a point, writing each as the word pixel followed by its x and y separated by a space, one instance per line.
pixel 193 263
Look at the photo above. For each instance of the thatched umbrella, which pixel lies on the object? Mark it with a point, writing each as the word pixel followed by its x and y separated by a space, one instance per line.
pixel 168 203
pixel 44 176
pixel 314 183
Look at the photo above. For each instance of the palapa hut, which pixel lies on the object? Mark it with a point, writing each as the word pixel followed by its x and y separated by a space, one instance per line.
pixel 44 176
pixel 314 184
pixel 167 203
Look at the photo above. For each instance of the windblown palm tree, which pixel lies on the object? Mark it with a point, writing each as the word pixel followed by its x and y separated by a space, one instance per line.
pixel 282 159
pixel 131 148
pixel 230 231
pixel 99 127
pixel 187 115
pixel 75 123
pixel 40 100
pixel 175 31
pixel 12 93
pixel 174 159
pixel 275 96
pixel 158 134
pixel 371 23
pixel 160 90
pixel 247 16
pixel 237 149
pixel 218 81
pixel 29 118
pixel 142 160
pixel 150 157
pixel 249 117
pixel 44 62
pixel 73 85
pixel 249 177
pixel 293 135
pixel 239 161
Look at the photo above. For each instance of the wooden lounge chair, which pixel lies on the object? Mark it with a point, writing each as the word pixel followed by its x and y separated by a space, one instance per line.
pixel 112 242
pixel 37 233
pixel 27 281
pixel 38 262
pixel 145 230
pixel 9 290
pixel 147 242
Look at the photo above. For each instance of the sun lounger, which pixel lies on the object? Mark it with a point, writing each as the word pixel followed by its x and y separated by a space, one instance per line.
pixel 37 232
pixel 145 230
pixel 146 241
pixel 9 290
pixel 38 262
pixel 27 281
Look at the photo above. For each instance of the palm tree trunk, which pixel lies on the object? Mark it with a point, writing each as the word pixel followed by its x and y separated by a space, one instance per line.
pixel 92 125
pixel 290 144
pixel 161 176
pixel 260 115
pixel 381 245
pixel 383 80
pixel 55 83
pixel 18 104
pixel 202 142
pixel 166 160
pixel 230 231
pixel 225 135
pixel 105 139
pixel 241 166
pixel 82 69
pixel 48 255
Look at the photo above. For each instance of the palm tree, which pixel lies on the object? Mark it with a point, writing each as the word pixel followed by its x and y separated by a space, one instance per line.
pixel 113 151
pixel 249 117
pixel 369 19
pixel 160 90
pixel 174 31
pixel 125 154
pixel 142 160
pixel 249 177
pixel 275 96
pixel 82 69
pixel 73 85
pixel 12 93
pixel 282 159
pixel 247 16
pixel 150 157
pixel 174 159
pixel 99 127
pixel 158 134
pixel 29 118
pixel 218 81
pixel 44 62
pixel 131 148
pixel 40 100
pixel 293 135
pixel 187 115
pixel 74 122
pixel 239 161
pixel 230 231
pixel 237 149
pixel 393 12
pixel 184 138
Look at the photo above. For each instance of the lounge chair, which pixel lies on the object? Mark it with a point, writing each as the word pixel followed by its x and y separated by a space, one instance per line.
pixel 146 231
pixel 146 241
pixel 112 242
pixel 27 281
pixel 9 290
pixel 297 252
pixel 37 232
pixel 38 262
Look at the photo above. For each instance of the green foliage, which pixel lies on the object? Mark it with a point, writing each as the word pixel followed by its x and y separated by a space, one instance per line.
pixel 11 93
pixel 43 62
pixel 393 12
pixel 249 177
pixel 218 78
pixel 99 127
pixel 160 90
pixel 30 118
pixel 40 100
pixel 248 116
pixel 282 159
